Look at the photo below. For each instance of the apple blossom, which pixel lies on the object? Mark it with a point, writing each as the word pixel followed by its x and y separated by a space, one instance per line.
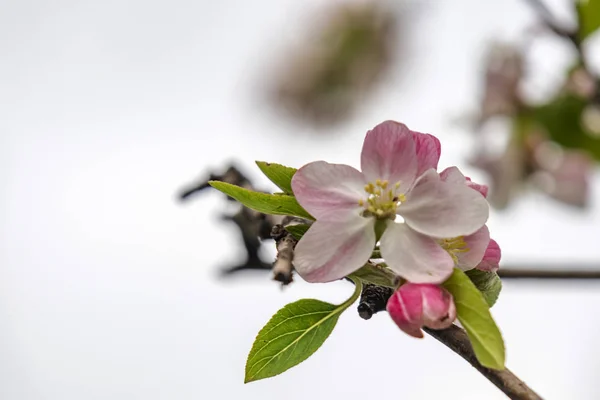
pixel 476 250
pixel 398 200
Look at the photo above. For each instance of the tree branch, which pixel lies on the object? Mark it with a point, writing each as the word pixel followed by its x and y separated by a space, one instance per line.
pixel 254 225
pixel 374 299
pixel 456 339
pixel 283 267
pixel 511 273
pixel 551 23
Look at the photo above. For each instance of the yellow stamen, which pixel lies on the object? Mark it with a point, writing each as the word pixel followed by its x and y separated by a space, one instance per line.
pixel 381 200
pixel 454 246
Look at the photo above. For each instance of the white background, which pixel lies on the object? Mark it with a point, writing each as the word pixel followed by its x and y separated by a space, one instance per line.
pixel 108 286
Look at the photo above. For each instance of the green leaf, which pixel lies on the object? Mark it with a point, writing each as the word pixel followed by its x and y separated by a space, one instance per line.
pixel 297 230
pixel 588 12
pixel 278 174
pixel 292 335
pixel 561 118
pixel 376 274
pixel 280 204
pixel 488 283
pixel 474 315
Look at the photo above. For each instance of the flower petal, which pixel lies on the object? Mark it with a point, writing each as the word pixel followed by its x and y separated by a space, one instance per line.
pixel 329 191
pixel 389 153
pixel 415 305
pixel 439 311
pixel 483 189
pixel 491 258
pixel 452 175
pixel 443 209
pixel 405 306
pixel 477 244
pixel 415 257
pixel 330 250
pixel 428 149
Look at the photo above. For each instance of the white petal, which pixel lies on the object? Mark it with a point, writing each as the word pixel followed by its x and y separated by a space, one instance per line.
pixel 331 250
pixel 415 257
pixel 477 243
pixel 452 175
pixel 443 209
pixel 329 191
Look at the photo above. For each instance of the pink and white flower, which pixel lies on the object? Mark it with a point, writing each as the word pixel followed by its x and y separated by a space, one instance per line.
pixel 398 199
pixel 476 250
pixel 413 306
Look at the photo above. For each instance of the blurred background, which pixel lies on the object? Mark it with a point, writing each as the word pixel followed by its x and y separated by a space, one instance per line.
pixel 110 288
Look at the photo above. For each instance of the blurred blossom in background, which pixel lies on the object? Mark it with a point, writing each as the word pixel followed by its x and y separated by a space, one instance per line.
pixel 348 49
pixel 109 288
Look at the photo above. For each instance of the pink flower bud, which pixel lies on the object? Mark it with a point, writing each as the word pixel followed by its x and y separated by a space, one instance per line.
pixel 491 258
pixel 415 305
pixel 483 189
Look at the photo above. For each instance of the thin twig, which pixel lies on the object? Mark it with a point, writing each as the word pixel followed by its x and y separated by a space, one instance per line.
pixel 456 339
pixel 551 23
pixel 509 273
pixel 373 299
pixel 283 267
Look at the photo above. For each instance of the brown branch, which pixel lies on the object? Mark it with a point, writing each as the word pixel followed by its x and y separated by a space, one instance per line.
pixel 456 339
pixel 252 225
pixel 374 299
pixel 551 23
pixel 512 273
pixel 282 267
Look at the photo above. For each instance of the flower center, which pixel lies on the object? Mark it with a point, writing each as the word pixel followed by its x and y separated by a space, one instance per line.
pixel 454 247
pixel 382 200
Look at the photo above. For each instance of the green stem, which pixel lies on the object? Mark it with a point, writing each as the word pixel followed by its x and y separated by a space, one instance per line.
pixel 357 291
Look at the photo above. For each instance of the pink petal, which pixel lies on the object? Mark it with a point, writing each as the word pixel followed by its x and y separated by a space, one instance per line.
pixel 443 209
pixel 483 189
pixel 329 191
pixel 453 175
pixel 491 258
pixel 415 257
pixel 415 305
pixel 330 250
pixel 439 311
pixel 389 153
pixel 571 179
pixel 405 306
pixel 477 244
pixel 428 151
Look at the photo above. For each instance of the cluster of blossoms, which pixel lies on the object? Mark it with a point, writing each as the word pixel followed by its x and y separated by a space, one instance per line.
pixel 537 153
pixel 425 223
